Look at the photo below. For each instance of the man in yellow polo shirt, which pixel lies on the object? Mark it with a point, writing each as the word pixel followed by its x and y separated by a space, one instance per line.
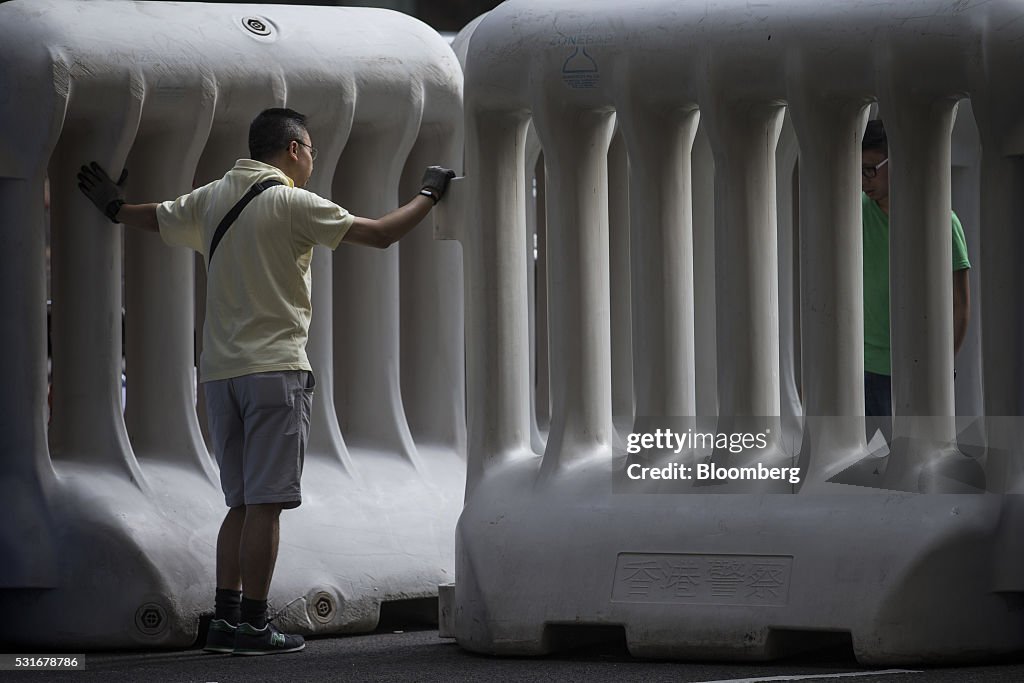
pixel 875 209
pixel 256 229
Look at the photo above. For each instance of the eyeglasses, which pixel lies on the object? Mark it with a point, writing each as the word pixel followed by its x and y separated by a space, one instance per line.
pixel 870 172
pixel 312 149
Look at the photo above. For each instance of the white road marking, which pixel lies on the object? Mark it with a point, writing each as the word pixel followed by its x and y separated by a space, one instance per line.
pixel 812 677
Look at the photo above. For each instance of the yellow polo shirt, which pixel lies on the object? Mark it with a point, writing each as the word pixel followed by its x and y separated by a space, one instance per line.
pixel 258 289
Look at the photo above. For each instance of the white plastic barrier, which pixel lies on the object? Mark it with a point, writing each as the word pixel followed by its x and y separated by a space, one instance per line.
pixel 112 522
pixel 736 91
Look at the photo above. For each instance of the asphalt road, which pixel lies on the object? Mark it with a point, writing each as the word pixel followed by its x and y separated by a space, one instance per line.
pixel 420 655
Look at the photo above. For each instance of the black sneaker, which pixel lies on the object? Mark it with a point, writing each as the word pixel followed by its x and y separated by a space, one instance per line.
pixel 250 640
pixel 220 637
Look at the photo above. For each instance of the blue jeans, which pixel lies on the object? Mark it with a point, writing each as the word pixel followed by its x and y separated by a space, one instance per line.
pixel 878 404
pixel 877 395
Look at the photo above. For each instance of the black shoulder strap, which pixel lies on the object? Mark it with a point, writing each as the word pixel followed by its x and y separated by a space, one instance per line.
pixel 218 235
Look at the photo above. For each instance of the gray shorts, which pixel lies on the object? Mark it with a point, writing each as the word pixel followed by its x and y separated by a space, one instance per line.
pixel 259 425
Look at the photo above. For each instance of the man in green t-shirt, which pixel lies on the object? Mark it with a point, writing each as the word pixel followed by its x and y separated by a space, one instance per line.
pixel 875 208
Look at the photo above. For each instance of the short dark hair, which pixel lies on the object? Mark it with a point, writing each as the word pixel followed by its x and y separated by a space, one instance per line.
pixel 874 138
pixel 272 130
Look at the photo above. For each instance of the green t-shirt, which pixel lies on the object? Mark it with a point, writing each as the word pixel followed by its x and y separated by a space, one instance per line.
pixel 876 282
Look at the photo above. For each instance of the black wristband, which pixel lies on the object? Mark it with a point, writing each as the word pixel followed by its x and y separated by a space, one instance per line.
pixel 427 192
pixel 113 208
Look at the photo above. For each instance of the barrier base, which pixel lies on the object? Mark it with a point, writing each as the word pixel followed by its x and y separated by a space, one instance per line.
pixel 135 568
pixel 909 577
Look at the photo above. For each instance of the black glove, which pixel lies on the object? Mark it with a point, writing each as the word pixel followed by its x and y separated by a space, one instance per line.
pixel 107 195
pixel 435 182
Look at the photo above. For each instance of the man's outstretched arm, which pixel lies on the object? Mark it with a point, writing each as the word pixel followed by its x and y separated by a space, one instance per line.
pixel 108 197
pixel 141 216
pixel 384 231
